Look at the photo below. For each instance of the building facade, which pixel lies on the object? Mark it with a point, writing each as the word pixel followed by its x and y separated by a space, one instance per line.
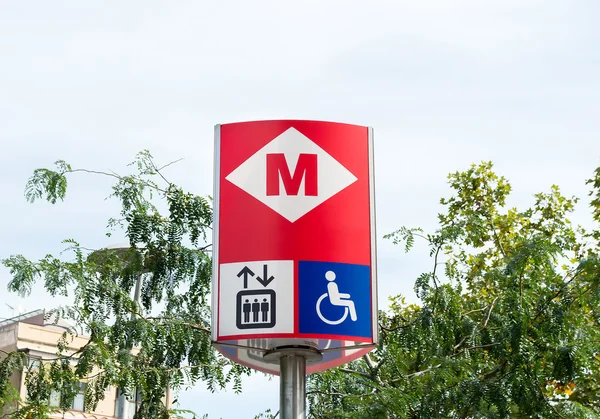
pixel 38 338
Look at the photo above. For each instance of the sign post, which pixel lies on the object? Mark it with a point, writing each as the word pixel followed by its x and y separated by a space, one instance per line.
pixel 294 286
pixel 292 393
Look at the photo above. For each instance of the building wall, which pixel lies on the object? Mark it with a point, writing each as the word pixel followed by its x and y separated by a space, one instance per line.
pixel 45 338
pixel 40 341
pixel 8 343
pixel 8 337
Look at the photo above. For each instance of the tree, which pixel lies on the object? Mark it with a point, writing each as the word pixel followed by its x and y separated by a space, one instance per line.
pixel 509 320
pixel 169 327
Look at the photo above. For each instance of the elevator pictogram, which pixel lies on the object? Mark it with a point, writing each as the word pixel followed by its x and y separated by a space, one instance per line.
pixel 256 308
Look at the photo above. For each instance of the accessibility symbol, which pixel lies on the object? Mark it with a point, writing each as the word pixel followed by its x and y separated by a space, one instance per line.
pixel 334 299
pixel 255 308
pixel 337 299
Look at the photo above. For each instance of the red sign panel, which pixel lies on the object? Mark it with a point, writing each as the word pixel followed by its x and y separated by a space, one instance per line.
pixel 294 248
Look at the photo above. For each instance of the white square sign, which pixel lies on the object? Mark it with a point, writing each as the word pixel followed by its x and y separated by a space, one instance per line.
pixel 256 297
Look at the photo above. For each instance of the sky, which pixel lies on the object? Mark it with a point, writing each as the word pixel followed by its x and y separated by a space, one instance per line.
pixel 444 84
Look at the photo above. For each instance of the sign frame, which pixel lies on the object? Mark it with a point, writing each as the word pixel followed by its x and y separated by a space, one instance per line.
pixel 215 289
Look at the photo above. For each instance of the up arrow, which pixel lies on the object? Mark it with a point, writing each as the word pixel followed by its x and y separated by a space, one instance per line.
pixel 246 271
pixel 264 281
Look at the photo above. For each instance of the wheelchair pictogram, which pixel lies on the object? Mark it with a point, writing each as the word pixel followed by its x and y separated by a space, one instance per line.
pixel 336 299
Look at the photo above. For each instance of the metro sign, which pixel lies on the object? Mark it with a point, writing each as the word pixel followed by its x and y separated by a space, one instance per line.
pixel 294 241
pixel 291 175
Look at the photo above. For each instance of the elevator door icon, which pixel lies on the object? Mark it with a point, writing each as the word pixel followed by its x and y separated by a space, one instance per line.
pixel 255 309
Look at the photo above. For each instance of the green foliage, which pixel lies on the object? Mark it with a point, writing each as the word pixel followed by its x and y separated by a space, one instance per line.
pixel 595 194
pixel 508 323
pixel 161 341
pixel 9 395
pixel 48 182
pixel 510 327
pixel 406 235
pixel 266 415
pixel 178 414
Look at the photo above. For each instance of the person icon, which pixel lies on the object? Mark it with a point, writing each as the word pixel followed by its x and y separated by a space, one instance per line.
pixel 255 310
pixel 337 298
pixel 264 309
pixel 246 309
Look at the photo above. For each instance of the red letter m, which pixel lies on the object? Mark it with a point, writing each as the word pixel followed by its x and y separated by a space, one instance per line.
pixel 306 169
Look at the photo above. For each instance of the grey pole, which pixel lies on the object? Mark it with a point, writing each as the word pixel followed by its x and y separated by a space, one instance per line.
pixel 124 413
pixel 292 362
pixel 136 295
pixel 292 391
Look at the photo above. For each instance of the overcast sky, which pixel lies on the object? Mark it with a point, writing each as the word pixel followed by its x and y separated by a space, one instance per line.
pixel 443 83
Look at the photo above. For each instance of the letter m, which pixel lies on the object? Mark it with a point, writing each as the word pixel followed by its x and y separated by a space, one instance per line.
pixel 306 168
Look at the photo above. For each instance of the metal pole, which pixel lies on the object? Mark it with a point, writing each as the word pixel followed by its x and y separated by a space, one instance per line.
pixel 136 296
pixel 292 393
pixel 124 406
pixel 121 251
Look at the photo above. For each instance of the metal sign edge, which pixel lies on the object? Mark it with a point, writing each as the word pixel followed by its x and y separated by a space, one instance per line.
pixel 372 215
pixel 215 234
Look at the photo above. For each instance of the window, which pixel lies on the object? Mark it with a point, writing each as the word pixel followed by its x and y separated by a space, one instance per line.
pixel 132 405
pixel 54 399
pixel 34 364
pixel 78 402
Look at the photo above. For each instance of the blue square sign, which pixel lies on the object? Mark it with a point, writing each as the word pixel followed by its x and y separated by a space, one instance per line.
pixel 334 299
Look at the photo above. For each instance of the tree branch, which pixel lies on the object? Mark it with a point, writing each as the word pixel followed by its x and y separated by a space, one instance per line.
pixel 489 313
pixel 435 264
pixel 169 164
pixel 415 374
pixel 487 319
pixel 475 311
pixel 492 226
pixel 560 291
pixel 190 325
pixel 97 172
pixel 362 374
pixel 374 368
pixel 494 371
pixel 338 394
pixel 489 345
pixel 496 238
pixel 157 170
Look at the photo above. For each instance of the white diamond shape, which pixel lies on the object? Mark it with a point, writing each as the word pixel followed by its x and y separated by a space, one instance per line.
pixel 251 176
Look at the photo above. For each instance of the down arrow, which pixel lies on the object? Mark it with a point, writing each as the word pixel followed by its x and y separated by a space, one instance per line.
pixel 264 281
